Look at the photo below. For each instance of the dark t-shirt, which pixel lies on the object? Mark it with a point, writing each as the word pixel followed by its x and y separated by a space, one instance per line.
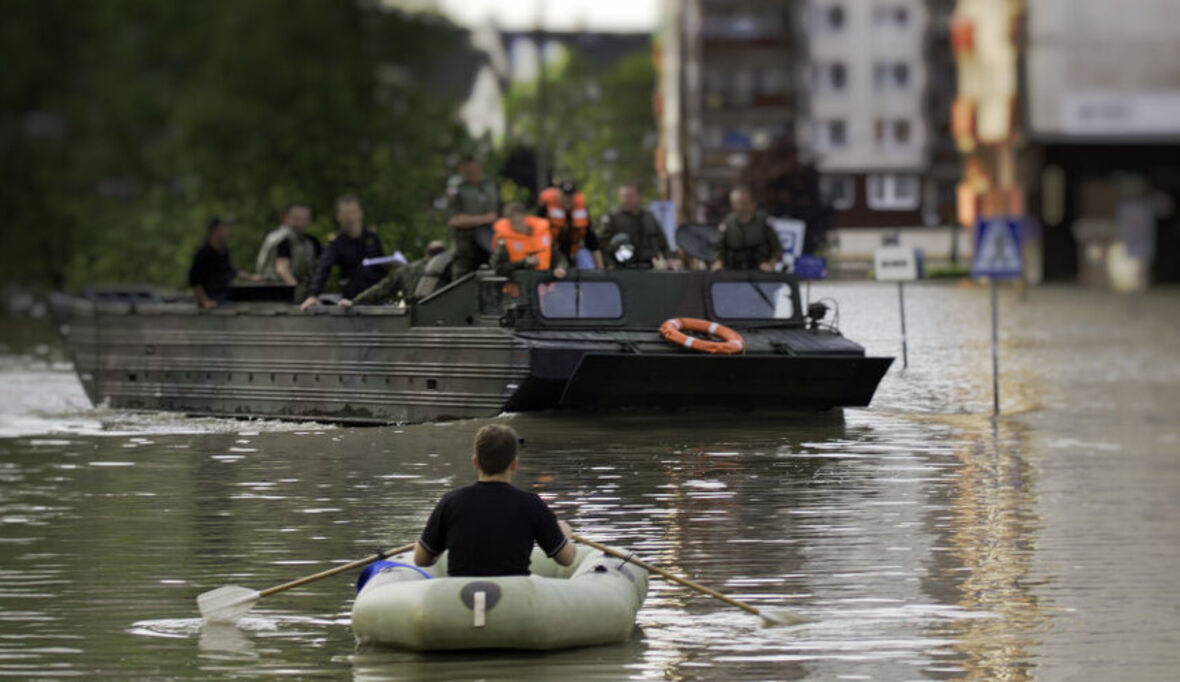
pixel 489 529
pixel 284 250
pixel 211 270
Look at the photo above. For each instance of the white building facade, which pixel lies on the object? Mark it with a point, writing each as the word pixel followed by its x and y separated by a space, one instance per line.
pixel 867 121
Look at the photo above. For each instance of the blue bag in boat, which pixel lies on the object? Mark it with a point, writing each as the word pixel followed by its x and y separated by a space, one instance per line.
pixel 379 566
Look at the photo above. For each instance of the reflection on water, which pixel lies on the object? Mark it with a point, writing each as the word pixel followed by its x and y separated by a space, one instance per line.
pixel 920 539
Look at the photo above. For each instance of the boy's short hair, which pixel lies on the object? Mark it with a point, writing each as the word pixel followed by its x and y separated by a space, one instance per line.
pixel 495 448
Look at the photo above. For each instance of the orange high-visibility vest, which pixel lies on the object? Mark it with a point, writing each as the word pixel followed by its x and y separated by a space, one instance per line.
pixel 578 220
pixel 538 242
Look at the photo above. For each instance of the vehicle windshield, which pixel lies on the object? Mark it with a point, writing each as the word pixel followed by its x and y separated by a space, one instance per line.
pixel 580 300
pixel 752 300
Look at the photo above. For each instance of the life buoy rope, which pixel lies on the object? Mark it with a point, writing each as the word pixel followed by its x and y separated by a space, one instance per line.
pixel 731 342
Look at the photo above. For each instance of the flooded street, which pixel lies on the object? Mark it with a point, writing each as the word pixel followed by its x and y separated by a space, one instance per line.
pixel 921 539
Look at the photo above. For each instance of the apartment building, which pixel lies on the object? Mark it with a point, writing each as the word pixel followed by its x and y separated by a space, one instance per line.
pixel 733 90
pixel 854 82
pixel 874 122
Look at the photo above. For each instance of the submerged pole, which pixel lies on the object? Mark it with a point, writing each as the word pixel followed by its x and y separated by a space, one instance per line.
pixel 905 354
pixel 995 351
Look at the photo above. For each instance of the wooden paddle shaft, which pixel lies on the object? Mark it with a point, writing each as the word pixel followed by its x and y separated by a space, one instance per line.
pixel 336 569
pixel 669 576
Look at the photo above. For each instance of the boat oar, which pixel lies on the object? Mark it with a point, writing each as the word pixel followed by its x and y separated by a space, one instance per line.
pixel 229 603
pixel 768 616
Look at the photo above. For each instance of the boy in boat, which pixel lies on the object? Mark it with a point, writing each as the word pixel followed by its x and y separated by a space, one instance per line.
pixel 489 527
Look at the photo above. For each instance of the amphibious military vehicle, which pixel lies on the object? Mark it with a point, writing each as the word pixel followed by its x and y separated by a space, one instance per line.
pixel 477 347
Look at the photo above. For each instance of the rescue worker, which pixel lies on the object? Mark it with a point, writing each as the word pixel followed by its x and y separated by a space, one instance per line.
pixel 524 242
pixel 639 228
pixel 569 221
pixel 348 250
pixel 211 273
pixel 288 254
pixel 748 240
pixel 472 204
pixel 400 282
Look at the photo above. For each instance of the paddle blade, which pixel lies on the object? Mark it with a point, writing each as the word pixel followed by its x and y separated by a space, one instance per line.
pixel 777 617
pixel 226 604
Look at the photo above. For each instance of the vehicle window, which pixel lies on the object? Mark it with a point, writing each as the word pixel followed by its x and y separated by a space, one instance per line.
pixel 580 300
pixel 752 300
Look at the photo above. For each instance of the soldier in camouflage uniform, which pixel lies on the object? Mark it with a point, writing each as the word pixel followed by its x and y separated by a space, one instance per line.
pixel 474 203
pixel 400 283
pixel 643 231
pixel 748 241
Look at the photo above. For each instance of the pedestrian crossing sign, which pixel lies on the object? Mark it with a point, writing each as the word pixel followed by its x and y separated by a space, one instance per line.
pixel 997 249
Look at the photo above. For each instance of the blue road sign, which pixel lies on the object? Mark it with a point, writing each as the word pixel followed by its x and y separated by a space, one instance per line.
pixel 811 267
pixel 997 249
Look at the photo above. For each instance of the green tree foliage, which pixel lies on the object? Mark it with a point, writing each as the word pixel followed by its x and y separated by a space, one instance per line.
pixel 599 128
pixel 124 124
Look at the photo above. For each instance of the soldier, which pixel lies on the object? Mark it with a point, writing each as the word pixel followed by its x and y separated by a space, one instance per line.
pixel 401 282
pixel 288 254
pixel 473 204
pixel 634 226
pixel 348 250
pixel 748 241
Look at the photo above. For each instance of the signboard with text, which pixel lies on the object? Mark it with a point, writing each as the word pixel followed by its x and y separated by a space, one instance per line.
pixel 897 264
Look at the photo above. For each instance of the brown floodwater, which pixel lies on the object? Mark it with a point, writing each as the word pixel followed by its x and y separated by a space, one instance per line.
pixel 920 538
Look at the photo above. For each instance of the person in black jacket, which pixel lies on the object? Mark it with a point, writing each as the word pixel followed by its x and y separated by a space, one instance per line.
pixel 348 250
pixel 211 272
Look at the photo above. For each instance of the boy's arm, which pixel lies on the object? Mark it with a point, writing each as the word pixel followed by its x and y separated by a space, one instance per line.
pixel 423 557
pixel 568 552
pixel 554 536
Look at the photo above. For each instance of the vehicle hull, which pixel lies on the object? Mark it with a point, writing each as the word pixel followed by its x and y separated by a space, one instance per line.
pixel 451 356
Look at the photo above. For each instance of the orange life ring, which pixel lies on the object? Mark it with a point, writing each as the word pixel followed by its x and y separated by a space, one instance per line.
pixel 731 342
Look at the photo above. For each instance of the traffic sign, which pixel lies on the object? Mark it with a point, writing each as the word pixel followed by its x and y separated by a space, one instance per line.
pixel 997 249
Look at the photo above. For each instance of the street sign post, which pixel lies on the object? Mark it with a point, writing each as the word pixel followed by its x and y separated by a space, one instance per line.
pixel 899 264
pixel 997 256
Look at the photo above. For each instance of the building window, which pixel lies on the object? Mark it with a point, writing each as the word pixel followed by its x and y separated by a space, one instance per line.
pixel 838 191
pixel 897 16
pixel 901 75
pixel 831 77
pixel 835 133
pixel 834 17
pixel 895 133
pixel 901 132
pixel 891 76
pixel 893 192
pixel 838 75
